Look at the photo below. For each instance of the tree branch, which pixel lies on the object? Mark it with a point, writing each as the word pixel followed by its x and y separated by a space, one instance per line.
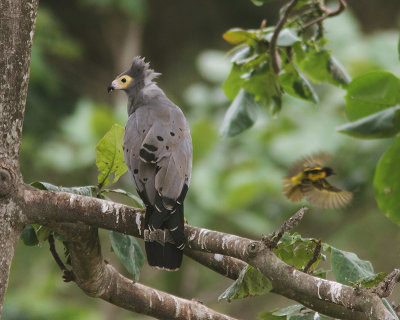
pixel 328 297
pixel 101 280
pixel 272 49
pixel 328 13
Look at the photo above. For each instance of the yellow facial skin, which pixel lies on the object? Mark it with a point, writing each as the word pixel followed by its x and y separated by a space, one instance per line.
pixel 121 82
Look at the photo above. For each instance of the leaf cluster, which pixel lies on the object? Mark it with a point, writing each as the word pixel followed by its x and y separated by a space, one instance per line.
pixel 301 56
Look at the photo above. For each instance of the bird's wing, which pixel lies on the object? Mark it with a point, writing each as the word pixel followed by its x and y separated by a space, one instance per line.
pixel 142 173
pixel 322 194
pixel 315 160
pixel 174 157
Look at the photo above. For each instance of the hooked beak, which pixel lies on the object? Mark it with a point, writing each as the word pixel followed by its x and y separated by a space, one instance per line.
pixel 110 87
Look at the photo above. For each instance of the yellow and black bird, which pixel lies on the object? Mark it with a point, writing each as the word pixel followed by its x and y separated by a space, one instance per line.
pixel 307 179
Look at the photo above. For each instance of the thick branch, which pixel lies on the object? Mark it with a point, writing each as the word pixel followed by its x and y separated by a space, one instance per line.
pixel 99 279
pixel 328 297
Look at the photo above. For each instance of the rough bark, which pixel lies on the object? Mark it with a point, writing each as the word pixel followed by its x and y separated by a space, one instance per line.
pixel 17 21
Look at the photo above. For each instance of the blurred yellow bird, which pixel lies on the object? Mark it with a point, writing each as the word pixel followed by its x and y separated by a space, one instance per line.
pixel 307 179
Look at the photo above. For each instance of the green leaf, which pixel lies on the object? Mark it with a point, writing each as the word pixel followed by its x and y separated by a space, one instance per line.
pixel 89 191
pixel 389 307
pixel 128 251
pixel 110 158
pixel 28 236
pixel 348 268
pixel 43 233
pixel 295 312
pixel 295 84
pixel 382 124
pixel 250 282
pixel 263 83
pixel 319 66
pixel 239 36
pixel 233 82
pixel 297 251
pixel 288 310
pixel 371 93
pixel 371 281
pixel 268 316
pixel 136 200
pixel 387 182
pixel 241 114
pixel 286 38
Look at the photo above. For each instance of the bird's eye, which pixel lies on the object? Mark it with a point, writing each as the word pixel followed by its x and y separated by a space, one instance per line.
pixel 123 80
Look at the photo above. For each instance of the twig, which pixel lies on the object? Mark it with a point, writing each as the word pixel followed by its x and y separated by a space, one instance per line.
pixel 272 49
pixel 328 13
pixel 68 275
pixel 314 258
pixel 385 287
pixel 272 240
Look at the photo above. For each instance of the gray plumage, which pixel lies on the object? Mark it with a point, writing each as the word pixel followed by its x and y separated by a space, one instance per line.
pixel 158 152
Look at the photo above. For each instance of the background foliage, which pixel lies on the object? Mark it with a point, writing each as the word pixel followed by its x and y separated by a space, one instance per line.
pixel 236 186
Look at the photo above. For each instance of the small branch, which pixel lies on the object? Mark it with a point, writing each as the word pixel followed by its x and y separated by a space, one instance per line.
pixel 328 13
pixel 68 275
pixel 272 49
pixel 272 240
pixel 314 258
pixel 385 288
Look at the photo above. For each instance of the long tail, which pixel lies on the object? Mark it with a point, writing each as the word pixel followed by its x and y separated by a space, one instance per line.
pixel 164 249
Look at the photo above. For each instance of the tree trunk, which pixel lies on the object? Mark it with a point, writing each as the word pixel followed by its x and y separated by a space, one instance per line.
pixel 17 21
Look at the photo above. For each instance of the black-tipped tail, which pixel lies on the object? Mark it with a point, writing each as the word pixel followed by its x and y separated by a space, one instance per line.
pixel 164 246
pixel 165 257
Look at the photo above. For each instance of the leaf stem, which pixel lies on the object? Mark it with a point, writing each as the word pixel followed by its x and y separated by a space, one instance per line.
pixel 328 13
pixel 272 50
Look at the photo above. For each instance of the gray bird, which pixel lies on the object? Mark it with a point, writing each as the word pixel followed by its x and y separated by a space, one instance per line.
pixel 158 152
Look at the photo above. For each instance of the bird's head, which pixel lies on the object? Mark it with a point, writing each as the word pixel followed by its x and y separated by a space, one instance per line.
pixel 137 76
pixel 328 171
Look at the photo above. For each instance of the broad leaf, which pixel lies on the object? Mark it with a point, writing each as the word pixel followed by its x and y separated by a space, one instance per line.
pixel 110 158
pixel 371 93
pixel 387 182
pixel 238 36
pixel 382 124
pixel 241 114
pixel 295 312
pixel 89 191
pixel 28 236
pixel 371 281
pixel 286 38
pixel 389 307
pixel 295 84
pixel 233 82
pixel 128 251
pixel 250 282
pixel 263 83
pixel 348 268
pixel 136 200
pixel 297 251
pixel 319 66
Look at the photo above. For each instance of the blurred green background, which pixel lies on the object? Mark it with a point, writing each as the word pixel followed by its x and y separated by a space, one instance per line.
pixel 80 46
